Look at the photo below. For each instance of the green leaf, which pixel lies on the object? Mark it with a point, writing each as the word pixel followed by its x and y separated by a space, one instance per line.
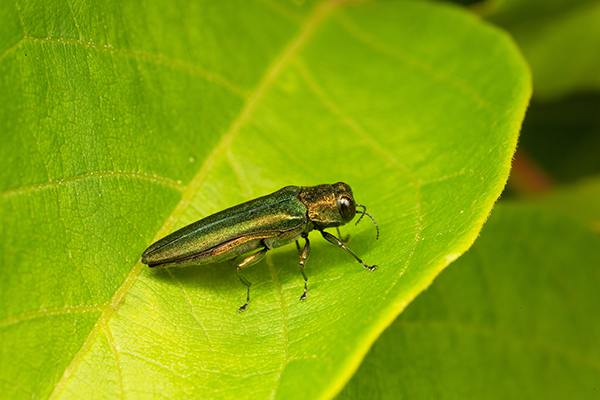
pixel 522 10
pixel 559 38
pixel 122 122
pixel 564 136
pixel 513 318
pixel 580 201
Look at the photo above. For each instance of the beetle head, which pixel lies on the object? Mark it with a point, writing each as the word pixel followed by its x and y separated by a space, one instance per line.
pixel 347 206
pixel 345 201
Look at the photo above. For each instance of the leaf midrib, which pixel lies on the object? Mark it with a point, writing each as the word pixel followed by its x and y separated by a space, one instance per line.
pixel 271 73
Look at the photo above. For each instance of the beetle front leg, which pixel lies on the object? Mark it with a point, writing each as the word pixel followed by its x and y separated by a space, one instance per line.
pixel 332 239
pixel 250 260
pixel 303 258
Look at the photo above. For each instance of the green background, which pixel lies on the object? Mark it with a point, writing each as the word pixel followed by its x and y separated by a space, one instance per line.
pixel 123 121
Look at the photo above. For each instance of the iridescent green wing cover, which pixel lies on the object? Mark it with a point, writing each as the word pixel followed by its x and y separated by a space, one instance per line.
pixel 280 211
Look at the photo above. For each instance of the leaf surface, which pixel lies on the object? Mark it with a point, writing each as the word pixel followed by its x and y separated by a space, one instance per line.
pixel 122 122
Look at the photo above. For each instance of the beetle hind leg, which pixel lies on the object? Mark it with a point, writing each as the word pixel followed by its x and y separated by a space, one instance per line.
pixel 248 261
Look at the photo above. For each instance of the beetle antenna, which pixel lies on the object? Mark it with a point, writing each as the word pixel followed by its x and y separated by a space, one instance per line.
pixel 363 213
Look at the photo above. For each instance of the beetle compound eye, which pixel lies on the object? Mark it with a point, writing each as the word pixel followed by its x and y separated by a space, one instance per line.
pixel 347 208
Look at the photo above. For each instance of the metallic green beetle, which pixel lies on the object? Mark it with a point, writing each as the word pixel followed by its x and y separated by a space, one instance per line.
pixel 264 223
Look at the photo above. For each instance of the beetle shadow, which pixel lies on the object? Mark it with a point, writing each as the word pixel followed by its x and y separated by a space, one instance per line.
pixel 280 267
pixel 211 279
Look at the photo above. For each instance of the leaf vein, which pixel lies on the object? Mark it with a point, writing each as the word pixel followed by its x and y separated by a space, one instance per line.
pixel 94 174
pixel 348 121
pixel 115 354
pixel 189 303
pixel 210 76
pixel 50 312
pixel 365 37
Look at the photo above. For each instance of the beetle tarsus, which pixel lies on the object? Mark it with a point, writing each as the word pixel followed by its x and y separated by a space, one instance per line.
pixel 242 308
pixel 303 295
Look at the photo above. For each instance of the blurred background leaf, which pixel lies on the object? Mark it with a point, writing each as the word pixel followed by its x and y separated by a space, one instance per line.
pixel 559 38
pixel 579 201
pixel 510 319
pixel 563 137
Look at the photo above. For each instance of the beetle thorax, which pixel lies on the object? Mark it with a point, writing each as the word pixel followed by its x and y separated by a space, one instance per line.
pixel 321 205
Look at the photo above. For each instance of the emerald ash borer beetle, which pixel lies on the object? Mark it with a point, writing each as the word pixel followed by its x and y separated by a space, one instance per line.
pixel 261 224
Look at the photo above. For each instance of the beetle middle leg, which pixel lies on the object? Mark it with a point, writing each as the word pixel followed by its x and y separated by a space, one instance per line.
pixel 250 260
pixel 303 256
pixel 332 239
pixel 343 240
